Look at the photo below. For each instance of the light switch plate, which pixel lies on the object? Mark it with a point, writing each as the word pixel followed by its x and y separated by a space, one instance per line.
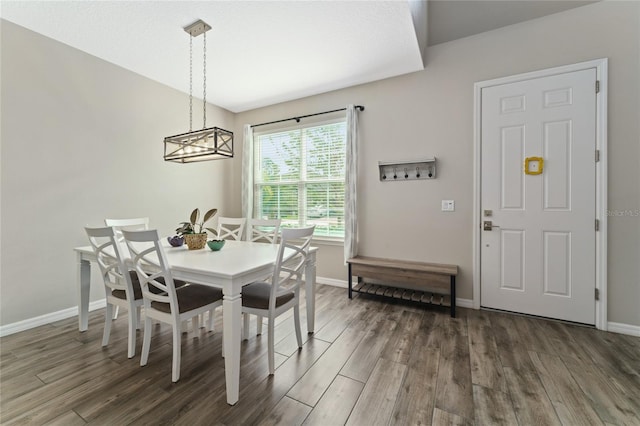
pixel 448 205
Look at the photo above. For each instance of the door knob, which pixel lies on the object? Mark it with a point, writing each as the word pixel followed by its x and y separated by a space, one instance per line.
pixel 487 225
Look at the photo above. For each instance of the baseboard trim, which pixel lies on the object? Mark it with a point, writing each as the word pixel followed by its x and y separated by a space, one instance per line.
pixel 16 327
pixel 464 303
pixel 616 327
pixel 332 282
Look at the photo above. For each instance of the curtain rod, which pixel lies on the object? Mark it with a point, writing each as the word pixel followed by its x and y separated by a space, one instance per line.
pixel 359 107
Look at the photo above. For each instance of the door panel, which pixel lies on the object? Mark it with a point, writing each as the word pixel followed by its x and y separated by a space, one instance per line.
pixel 557 179
pixel 513 258
pixel 511 179
pixel 539 258
pixel 557 259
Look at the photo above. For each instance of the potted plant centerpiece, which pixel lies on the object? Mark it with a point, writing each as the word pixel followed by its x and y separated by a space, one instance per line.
pixel 194 231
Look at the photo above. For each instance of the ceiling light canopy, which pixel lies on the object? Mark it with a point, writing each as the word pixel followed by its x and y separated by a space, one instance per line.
pixel 211 143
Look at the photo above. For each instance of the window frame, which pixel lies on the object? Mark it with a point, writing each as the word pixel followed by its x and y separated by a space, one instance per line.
pixel 301 183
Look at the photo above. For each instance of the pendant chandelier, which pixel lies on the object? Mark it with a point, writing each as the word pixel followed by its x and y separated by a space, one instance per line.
pixel 211 143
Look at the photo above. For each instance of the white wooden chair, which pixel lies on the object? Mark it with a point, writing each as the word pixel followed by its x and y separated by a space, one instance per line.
pixel 174 305
pixel 271 299
pixel 121 289
pixel 265 230
pixel 133 224
pixel 262 230
pixel 231 228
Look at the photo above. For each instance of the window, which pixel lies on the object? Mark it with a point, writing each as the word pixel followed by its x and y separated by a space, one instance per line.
pixel 299 176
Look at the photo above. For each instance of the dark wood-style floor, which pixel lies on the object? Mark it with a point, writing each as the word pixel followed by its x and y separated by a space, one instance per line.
pixel 370 362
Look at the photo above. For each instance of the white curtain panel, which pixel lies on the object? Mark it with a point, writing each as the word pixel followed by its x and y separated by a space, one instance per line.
pixel 350 193
pixel 247 172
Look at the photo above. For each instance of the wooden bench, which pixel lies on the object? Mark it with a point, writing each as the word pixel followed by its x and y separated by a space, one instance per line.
pixel 420 275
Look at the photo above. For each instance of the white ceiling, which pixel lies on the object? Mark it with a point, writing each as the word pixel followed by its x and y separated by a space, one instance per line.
pixel 263 52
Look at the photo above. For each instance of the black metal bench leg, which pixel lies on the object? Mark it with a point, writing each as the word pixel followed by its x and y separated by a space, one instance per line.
pixel 350 283
pixel 453 296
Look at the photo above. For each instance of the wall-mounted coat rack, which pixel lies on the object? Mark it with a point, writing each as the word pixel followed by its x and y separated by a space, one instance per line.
pixel 407 170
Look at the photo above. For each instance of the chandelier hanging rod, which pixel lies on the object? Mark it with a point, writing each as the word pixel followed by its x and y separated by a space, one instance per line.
pixel 298 118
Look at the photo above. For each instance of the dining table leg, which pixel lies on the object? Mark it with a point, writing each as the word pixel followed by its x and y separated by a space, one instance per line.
pixel 232 316
pixel 84 288
pixel 310 291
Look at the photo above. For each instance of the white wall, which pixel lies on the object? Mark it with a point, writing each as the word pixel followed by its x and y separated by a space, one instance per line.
pixel 430 113
pixel 81 141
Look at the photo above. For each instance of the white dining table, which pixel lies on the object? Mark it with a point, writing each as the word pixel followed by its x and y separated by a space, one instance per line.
pixel 237 264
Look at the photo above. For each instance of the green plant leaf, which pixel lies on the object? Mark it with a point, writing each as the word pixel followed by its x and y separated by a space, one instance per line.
pixel 185 228
pixel 208 215
pixel 213 231
pixel 195 215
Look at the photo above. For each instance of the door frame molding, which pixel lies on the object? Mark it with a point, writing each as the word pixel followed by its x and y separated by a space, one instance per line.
pixel 601 67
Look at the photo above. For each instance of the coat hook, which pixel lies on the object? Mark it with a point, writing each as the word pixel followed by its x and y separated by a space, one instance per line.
pixel 406 175
pixel 417 172
pixel 395 174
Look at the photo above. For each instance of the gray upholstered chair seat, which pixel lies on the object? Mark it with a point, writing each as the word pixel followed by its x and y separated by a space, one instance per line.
pixel 256 295
pixel 190 297
pixel 137 291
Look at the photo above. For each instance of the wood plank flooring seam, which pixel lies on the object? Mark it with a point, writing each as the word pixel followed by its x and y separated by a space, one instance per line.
pixel 297 400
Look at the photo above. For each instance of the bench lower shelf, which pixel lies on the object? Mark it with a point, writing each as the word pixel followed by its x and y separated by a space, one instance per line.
pixel 403 294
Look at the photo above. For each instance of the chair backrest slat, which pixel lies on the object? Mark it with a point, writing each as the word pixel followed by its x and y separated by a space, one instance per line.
pixel 133 224
pixel 150 263
pixel 137 223
pixel 266 230
pixel 231 228
pixel 109 259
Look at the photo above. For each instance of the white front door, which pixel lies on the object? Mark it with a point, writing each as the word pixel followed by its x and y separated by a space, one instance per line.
pixel 539 256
